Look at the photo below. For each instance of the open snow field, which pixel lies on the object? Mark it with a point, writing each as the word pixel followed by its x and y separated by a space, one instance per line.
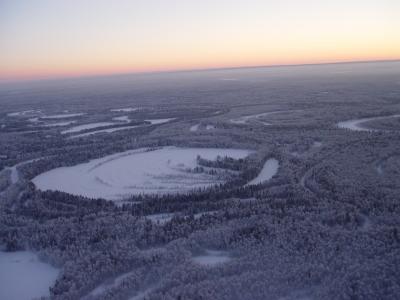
pixel 165 170
pixel 268 171
pixel 24 277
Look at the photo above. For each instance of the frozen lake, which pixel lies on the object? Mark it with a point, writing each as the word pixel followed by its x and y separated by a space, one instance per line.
pixel 162 171
pixel 24 277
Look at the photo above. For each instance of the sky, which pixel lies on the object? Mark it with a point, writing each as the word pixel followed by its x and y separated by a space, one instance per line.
pixel 60 38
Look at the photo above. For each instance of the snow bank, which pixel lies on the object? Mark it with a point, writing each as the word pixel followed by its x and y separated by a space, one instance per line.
pixel 268 171
pixel 23 276
pixel 163 171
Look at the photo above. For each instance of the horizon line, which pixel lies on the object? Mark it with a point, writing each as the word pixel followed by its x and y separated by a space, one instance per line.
pixel 117 74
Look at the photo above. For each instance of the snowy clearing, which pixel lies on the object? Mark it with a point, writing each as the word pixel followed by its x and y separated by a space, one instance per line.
pixel 129 173
pixel 160 218
pixel 212 258
pixel 268 171
pixel 210 127
pixel 14 175
pixel 24 113
pixel 59 124
pixel 122 119
pixel 114 282
pixel 194 127
pixel 356 124
pixel 159 121
pixel 63 116
pixel 317 144
pixel 24 276
pixel 87 126
pixel 126 109
pixel 142 295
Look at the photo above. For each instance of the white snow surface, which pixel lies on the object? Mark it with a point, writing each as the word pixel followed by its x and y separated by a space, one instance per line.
pixel 194 128
pixel 268 171
pixel 126 109
pixel 62 116
pixel 212 258
pixel 24 113
pixel 356 124
pixel 114 282
pixel 246 119
pixel 24 276
pixel 162 171
pixel 210 127
pixel 59 124
pixel 108 130
pixel 161 218
pixel 86 126
pixel 159 121
pixel 122 119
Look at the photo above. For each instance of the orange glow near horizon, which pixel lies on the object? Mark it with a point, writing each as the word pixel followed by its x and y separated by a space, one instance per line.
pixel 186 34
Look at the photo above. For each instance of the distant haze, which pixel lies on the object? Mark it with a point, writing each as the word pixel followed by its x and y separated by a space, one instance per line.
pixel 48 38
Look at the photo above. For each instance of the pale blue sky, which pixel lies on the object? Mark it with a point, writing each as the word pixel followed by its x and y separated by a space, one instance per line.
pixel 45 37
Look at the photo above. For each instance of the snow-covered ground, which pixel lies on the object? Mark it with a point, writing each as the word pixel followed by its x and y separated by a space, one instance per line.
pixel 126 109
pixel 24 113
pixel 246 119
pixel 114 282
pixel 194 128
pixel 316 144
pixel 142 295
pixel 210 127
pixel 14 171
pixel 24 276
pixel 122 119
pixel 62 116
pixel 356 124
pixel 269 170
pixel 59 124
pixel 160 218
pixel 159 121
pixel 164 170
pixel 86 126
pixel 212 258
pixel 108 130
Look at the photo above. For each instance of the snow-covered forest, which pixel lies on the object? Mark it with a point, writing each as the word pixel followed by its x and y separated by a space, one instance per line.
pixel 282 183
